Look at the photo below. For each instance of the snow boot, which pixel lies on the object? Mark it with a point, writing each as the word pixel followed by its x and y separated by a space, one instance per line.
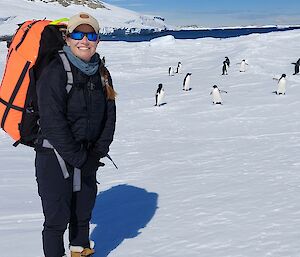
pixel 78 251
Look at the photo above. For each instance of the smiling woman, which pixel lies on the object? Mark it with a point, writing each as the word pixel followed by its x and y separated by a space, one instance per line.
pixel 83 38
pixel 83 42
pixel 76 105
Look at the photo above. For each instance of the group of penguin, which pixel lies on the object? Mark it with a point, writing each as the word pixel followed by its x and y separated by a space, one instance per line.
pixel 226 64
pixel 216 92
pixel 160 93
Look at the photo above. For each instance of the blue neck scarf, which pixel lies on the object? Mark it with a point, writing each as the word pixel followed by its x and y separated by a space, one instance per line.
pixel 88 68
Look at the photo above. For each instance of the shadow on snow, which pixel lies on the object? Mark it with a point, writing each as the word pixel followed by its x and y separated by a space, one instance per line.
pixel 120 213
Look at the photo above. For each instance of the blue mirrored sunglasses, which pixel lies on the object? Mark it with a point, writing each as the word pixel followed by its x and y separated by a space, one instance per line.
pixel 78 35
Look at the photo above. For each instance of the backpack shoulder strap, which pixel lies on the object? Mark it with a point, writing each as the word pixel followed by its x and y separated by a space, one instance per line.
pixel 67 68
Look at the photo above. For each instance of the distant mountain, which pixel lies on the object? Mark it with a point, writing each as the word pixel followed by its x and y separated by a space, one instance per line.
pixel 89 3
pixel 109 16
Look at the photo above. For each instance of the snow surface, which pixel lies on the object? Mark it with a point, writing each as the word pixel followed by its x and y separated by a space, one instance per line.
pixel 194 179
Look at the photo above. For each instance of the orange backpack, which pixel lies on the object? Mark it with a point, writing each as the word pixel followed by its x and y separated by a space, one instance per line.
pixel 30 50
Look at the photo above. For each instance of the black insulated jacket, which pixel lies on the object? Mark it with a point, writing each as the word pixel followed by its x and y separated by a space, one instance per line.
pixel 78 121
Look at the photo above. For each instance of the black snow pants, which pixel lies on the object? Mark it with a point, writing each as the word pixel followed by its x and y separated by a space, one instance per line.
pixel 62 206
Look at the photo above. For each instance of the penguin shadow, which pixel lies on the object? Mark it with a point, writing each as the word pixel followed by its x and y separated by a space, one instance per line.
pixel 276 93
pixel 160 104
pixel 120 213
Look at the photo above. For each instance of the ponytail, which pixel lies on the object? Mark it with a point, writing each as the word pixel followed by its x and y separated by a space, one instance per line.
pixel 110 92
pixel 107 83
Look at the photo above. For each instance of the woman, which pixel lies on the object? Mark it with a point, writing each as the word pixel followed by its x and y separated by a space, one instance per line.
pixel 77 121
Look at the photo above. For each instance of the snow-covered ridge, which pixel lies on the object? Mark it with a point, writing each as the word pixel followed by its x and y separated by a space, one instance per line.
pixel 113 20
pixel 110 17
pixel 90 3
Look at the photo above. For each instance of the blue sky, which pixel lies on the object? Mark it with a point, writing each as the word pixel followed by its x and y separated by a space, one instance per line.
pixel 218 12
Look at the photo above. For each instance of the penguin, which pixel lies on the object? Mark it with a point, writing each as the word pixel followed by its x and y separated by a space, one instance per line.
pixel 179 68
pixel 281 85
pixel 297 64
pixel 171 71
pixel 227 61
pixel 216 95
pixel 224 68
pixel 243 65
pixel 159 95
pixel 187 82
